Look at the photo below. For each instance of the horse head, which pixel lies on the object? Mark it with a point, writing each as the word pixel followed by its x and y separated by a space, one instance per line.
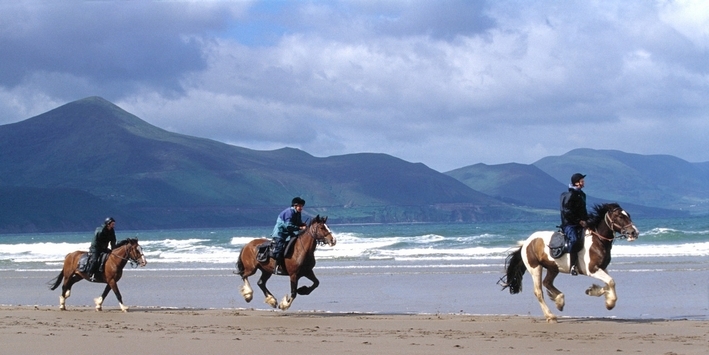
pixel 135 251
pixel 619 221
pixel 321 232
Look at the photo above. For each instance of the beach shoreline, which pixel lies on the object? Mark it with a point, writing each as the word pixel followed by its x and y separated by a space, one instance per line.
pixel 82 330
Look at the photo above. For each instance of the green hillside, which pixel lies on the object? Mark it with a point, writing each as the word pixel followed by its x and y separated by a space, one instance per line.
pixel 661 181
pixel 518 184
pixel 121 165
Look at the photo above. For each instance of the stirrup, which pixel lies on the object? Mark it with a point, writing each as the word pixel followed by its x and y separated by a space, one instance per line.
pixel 573 271
pixel 280 269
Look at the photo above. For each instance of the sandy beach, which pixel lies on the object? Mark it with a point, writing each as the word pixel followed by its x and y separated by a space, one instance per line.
pixel 44 330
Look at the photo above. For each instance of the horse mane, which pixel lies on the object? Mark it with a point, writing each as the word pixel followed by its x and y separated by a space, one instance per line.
pixel 599 212
pixel 317 219
pixel 126 241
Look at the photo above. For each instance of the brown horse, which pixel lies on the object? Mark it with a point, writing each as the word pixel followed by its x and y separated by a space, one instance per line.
pixel 593 258
pixel 299 262
pixel 125 250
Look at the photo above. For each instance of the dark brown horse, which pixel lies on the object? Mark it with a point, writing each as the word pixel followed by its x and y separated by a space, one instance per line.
pixel 299 262
pixel 125 250
pixel 534 255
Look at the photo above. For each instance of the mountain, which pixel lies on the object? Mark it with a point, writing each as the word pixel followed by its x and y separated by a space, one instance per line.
pixel 649 185
pixel 513 183
pixel 660 181
pixel 70 167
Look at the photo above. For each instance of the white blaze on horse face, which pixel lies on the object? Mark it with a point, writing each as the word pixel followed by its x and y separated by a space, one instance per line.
pixel 334 241
pixel 143 262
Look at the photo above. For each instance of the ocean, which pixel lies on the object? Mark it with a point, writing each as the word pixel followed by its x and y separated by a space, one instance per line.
pixel 381 268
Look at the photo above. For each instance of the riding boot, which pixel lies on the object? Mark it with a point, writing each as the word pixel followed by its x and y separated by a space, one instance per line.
pixel 573 261
pixel 280 268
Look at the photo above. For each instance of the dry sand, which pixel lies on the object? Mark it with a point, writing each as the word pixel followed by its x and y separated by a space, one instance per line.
pixel 81 330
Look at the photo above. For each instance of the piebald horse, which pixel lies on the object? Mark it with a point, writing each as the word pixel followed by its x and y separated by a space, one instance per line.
pixel 299 262
pixel 534 255
pixel 125 250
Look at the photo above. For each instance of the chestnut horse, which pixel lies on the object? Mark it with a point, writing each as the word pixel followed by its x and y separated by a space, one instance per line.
pixel 299 262
pixel 534 255
pixel 125 250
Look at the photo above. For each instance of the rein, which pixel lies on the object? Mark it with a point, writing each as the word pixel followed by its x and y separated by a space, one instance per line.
pixel 133 261
pixel 611 225
pixel 321 240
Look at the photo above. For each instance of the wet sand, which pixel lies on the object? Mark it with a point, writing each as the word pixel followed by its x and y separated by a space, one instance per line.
pixel 81 330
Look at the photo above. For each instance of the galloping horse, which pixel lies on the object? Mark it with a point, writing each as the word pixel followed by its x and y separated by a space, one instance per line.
pixel 593 258
pixel 299 262
pixel 125 250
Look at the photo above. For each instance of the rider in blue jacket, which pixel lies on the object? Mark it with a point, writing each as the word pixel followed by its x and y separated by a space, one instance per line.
pixel 288 224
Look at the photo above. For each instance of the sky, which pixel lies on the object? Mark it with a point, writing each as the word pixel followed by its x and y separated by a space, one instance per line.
pixel 446 83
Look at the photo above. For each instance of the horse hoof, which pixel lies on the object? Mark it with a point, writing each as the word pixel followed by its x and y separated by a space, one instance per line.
pixel 248 294
pixel 285 303
pixel 271 301
pixel 551 320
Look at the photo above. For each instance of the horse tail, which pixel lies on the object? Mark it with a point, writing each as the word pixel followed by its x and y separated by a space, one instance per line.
pixel 53 284
pixel 514 270
pixel 240 264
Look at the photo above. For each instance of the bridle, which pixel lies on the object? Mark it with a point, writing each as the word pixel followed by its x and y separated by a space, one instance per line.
pixel 133 261
pixel 322 238
pixel 317 240
pixel 612 225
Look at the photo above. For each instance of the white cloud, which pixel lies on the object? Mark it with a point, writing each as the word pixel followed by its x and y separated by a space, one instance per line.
pixel 688 17
pixel 514 83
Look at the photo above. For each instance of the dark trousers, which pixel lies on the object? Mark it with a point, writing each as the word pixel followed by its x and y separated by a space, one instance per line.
pixel 573 234
pixel 94 261
pixel 279 246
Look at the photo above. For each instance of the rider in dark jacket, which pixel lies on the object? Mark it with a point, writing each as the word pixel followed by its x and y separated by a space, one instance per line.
pixel 574 216
pixel 105 235
pixel 288 223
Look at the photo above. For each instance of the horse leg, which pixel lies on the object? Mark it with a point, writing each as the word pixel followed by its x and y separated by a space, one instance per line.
pixel 245 273
pixel 111 285
pixel 537 278
pixel 305 290
pixel 270 300
pixel 66 289
pixel 98 301
pixel 608 290
pixel 288 299
pixel 246 290
pixel 554 293
pixel 114 287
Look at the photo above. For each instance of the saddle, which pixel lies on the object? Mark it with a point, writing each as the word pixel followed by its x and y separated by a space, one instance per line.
pixel 264 251
pixel 84 262
pixel 559 244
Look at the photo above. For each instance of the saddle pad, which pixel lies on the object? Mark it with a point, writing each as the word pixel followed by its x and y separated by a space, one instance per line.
pixel 263 252
pixel 557 245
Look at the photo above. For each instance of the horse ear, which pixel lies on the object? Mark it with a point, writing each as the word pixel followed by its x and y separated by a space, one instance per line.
pixel 324 220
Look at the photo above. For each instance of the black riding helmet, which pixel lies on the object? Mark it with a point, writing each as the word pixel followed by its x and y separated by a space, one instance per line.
pixel 297 201
pixel 576 178
pixel 108 221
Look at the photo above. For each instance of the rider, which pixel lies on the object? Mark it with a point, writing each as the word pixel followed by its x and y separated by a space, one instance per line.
pixel 287 224
pixel 574 216
pixel 105 235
